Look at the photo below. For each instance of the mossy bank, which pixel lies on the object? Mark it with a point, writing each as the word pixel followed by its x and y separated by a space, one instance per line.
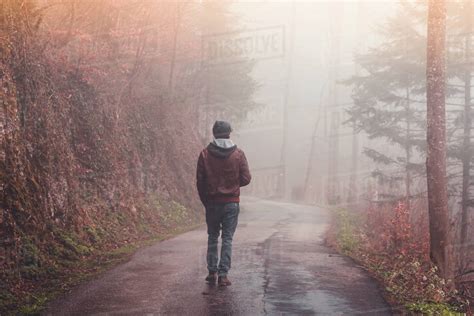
pixel 49 266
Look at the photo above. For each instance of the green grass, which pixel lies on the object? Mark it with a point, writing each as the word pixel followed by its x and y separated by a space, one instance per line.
pixel 78 262
pixel 346 238
pixel 34 304
pixel 435 309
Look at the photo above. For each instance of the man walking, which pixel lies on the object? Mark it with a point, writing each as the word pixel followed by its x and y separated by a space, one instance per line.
pixel 221 170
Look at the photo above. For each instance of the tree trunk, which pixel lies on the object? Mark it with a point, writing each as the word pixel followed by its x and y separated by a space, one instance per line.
pixel 309 167
pixel 282 185
pixel 440 247
pixel 408 151
pixel 177 22
pixel 467 155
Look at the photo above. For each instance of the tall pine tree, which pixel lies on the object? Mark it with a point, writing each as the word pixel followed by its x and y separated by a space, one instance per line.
pixel 389 99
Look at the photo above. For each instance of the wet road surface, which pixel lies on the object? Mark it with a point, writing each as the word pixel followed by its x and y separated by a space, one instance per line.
pixel 279 267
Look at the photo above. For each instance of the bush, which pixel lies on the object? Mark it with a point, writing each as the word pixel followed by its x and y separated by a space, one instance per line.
pixel 384 240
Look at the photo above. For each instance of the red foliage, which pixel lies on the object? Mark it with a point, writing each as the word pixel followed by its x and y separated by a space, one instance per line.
pixel 392 241
pixel 392 231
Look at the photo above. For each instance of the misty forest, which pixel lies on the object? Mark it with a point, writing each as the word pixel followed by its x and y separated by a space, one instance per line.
pixel 129 130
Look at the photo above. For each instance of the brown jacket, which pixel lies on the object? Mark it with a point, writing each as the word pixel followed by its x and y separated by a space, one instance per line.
pixel 220 174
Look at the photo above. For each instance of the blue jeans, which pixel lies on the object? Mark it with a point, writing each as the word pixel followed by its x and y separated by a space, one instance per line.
pixel 225 217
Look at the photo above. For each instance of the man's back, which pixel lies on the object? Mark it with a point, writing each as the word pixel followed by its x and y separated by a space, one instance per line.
pixel 222 170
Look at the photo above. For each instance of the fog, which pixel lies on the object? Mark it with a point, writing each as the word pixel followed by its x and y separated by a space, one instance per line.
pixel 302 102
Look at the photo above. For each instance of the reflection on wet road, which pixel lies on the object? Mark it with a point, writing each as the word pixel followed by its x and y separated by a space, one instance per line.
pixel 279 266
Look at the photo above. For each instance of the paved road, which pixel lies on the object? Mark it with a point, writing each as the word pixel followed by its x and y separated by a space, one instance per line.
pixel 280 267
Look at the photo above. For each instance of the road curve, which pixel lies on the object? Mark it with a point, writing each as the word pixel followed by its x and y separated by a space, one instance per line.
pixel 279 267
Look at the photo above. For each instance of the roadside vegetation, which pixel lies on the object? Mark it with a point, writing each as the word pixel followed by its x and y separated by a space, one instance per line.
pixel 71 257
pixel 394 248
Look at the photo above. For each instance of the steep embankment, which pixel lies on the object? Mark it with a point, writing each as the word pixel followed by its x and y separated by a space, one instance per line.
pixel 77 178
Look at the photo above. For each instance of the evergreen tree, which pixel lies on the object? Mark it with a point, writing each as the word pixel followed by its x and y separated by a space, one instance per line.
pixel 460 69
pixel 389 98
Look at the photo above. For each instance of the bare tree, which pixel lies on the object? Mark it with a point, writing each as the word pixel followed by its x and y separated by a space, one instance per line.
pixel 440 249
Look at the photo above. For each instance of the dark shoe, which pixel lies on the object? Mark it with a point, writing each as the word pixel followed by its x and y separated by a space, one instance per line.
pixel 223 281
pixel 212 277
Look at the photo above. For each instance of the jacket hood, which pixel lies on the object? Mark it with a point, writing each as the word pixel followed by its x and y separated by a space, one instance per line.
pixel 221 148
